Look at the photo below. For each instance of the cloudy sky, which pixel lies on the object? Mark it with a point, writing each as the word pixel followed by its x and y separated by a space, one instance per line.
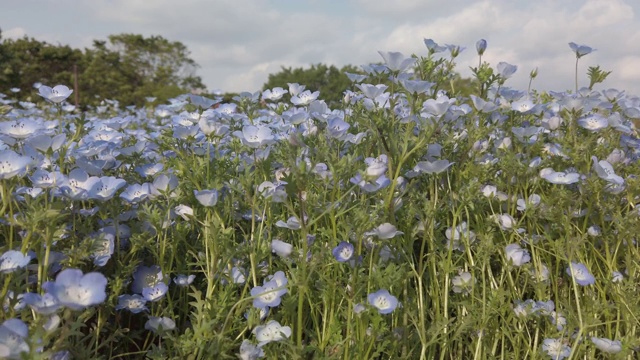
pixel 239 43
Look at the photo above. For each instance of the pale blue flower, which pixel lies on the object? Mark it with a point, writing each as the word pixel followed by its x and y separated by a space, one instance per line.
pixel 45 304
pixel 505 70
pixel 304 98
pixel 57 94
pixel 383 301
pixel 248 351
pixel 384 231
pixel 463 283
pixel 292 223
pixel 281 248
pixel 254 136
pixel 134 303
pixel 146 277
pixel 580 50
pixel 13 335
pixel 432 167
pixel 269 294
pixel 155 292
pixel 159 325
pixel 606 172
pixel 206 197
pixel 593 122
pixel 271 331
pixel 396 61
pixel 184 280
pixel 517 255
pixel 607 345
pixel 580 273
pixel 13 260
pixel 274 94
pixel 78 291
pixel 136 193
pixel 12 164
pixel 559 177
pixel 433 46
pixel 556 348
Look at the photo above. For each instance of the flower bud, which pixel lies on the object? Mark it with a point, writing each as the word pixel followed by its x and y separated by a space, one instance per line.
pixel 481 46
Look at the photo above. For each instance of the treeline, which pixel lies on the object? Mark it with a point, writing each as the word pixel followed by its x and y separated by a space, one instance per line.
pixel 126 67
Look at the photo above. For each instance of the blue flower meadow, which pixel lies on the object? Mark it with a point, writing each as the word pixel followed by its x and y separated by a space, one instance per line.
pixel 414 220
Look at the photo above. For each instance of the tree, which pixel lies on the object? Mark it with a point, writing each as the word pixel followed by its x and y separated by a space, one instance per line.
pixel 330 81
pixel 127 68
pixel 26 61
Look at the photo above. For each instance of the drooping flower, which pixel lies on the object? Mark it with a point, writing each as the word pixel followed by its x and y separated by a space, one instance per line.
pixel 463 283
pixel 607 345
pixel 184 280
pixel 281 248
pixel 248 351
pixel 292 223
pixel 271 331
pixel 57 94
pixel 45 304
pixel 384 231
pixel 383 301
pixel 506 70
pixel 429 167
pixel 159 325
pixel 606 172
pixel 517 255
pixel 78 291
pixel 460 232
pixel 580 274
pixel 13 260
pixel 559 177
pixel 206 197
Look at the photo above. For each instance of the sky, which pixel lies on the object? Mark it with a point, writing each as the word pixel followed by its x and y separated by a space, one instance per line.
pixel 238 43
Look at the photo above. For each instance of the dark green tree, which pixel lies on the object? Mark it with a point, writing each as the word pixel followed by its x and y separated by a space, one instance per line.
pixel 329 80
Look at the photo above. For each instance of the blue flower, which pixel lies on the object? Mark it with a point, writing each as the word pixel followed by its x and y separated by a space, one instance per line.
pixel 77 291
pixel 383 301
pixel 57 94
pixel 580 50
pixel 134 303
pixel 155 292
pixel 343 252
pixel 607 345
pixel 267 295
pixel 580 274
pixel 146 277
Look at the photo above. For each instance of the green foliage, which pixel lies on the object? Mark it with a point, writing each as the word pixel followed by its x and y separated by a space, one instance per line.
pixel 126 68
pixel 596 75
pixel 329 80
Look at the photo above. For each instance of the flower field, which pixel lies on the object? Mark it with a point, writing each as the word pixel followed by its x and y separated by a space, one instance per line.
pixel 409 222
